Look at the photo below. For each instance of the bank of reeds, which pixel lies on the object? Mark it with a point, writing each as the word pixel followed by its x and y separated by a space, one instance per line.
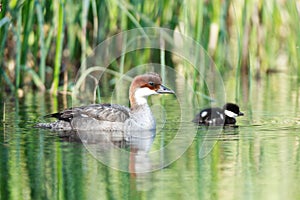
pixel 44 41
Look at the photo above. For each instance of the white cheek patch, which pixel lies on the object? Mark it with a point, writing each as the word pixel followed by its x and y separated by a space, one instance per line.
pixel 141 95
pixel 220 115
pixel 230 114
pixel 144 92
pixel 203 114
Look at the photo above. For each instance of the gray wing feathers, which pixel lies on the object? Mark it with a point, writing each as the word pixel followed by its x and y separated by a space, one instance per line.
pixel 101 112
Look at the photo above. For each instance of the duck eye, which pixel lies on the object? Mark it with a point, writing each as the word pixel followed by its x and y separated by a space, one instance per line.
pixel 151 83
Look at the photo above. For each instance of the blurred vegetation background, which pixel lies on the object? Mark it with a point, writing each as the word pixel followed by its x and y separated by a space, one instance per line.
pixel 42 43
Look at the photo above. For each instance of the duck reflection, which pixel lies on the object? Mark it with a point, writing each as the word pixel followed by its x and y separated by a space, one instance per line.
pixel 125 151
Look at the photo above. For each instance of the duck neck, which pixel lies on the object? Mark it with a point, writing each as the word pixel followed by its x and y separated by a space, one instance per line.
pixel 141 113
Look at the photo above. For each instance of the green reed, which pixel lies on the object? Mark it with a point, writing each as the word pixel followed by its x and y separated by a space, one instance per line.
pixel 59 45
pixel 4 24
pixel 85 9
pixel 18 51
pixel 198 34
pixel 42 63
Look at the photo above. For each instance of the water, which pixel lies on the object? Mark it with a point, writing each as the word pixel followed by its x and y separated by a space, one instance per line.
pixel 258 160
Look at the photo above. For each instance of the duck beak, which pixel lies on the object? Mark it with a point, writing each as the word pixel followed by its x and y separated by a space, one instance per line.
pixel 164 90
pixel 241 114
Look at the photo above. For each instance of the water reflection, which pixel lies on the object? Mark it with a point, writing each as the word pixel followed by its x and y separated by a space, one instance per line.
pixel 211 135
pixel 258 160
pixel 119 150
pixel 125 151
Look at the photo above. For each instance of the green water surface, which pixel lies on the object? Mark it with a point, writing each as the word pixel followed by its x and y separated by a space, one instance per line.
pixel 258 160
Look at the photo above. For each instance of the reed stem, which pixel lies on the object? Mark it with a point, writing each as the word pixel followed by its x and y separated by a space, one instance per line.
pixel 59 47
pixel 18 50
pixel 42 67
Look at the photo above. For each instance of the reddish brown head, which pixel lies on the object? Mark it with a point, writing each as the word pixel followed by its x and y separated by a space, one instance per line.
pixel 145 85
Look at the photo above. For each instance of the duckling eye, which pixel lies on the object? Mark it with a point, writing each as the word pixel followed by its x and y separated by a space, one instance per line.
pixel 151 83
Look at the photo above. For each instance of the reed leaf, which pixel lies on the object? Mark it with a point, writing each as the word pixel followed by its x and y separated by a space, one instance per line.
pixel 18 51
pixel 42 65
pixel 35 77
pixel 59 46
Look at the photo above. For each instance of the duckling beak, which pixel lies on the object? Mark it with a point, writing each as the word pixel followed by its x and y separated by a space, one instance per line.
pixel 164 90
pixel 241 114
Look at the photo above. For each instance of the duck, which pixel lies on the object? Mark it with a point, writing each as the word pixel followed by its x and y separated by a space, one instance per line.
pixel 114 117
pixel 216 116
